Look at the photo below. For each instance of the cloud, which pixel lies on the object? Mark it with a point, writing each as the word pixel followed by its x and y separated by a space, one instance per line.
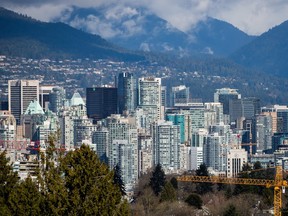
pixel 251 16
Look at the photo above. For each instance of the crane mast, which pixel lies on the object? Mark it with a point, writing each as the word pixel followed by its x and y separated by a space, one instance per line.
pixel 277 184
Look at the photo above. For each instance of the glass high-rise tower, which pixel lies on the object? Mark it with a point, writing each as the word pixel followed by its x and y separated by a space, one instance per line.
pixel 127 94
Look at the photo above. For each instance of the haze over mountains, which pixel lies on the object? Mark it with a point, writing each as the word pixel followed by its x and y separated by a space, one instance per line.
pixel 139 29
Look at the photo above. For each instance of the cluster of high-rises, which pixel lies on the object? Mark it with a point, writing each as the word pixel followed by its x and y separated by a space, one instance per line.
pixel 139 123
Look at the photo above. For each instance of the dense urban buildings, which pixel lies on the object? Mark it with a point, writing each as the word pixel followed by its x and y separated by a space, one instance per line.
pixel 132 126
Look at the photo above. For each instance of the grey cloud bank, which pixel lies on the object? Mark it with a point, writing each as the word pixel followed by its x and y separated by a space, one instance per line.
pixel 251 16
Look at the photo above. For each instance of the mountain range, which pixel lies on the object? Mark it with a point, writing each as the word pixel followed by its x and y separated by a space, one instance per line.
pixel 267 53
pixel 25 37
pixel 139 29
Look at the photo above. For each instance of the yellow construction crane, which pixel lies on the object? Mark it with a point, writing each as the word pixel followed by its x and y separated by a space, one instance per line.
pixel 278 183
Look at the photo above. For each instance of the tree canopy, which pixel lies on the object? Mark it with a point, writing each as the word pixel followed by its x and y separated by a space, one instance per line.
pixel 157 181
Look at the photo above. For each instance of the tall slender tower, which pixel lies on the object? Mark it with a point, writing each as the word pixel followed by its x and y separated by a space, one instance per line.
pixel 20 94
pixel 149 94
pixel 127 94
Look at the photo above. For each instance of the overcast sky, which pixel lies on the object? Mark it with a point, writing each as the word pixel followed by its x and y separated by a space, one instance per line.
pixel 251 16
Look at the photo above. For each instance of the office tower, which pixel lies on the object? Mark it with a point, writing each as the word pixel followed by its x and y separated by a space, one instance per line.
pixel 224 95
pixel 264 132
pixel 57 99
pixel 20 94
pixel 166 145
pixel 101 102
pixel 282 119
pixel 279 140
pixel 127 92
pixel 180 95
pixel 44 91
pixel 245 107
pixel 194 120
pixel 149 94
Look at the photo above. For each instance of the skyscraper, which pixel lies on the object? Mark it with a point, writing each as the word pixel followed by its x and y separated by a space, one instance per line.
pixel 245 107
pixel 166 145
pixel 224 95
pixel 57 99
pixel 180 94
pixel 44 91
pixel 101 102
pixel 20 94
pixel 127 94
pixel 149 94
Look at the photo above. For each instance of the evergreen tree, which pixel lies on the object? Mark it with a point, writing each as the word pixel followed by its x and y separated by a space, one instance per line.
pixel 118 179
pixel 90 185
pixel 168 192
pixel 25 199
pixel 157 181
pixel 8 180
pixel 174 182
pixel 194 200
pixel 52 184
pixel 203 188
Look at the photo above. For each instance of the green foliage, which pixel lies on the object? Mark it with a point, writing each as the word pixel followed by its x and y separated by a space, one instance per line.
pixel 157 181
pixel 90 185
pixel 25 199
pixel 174 182
pixel 203 188
pixel 194 200
pixel 231 211
pixel 118 179
pixel 8 180
pixel 168 192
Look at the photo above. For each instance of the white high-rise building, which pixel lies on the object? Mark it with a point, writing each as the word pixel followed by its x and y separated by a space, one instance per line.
pixel 215 152
pixel 166 145
pixel 20 94
pixel 196 149
pixel 218 109
pixel 149 94
pixel 123 147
